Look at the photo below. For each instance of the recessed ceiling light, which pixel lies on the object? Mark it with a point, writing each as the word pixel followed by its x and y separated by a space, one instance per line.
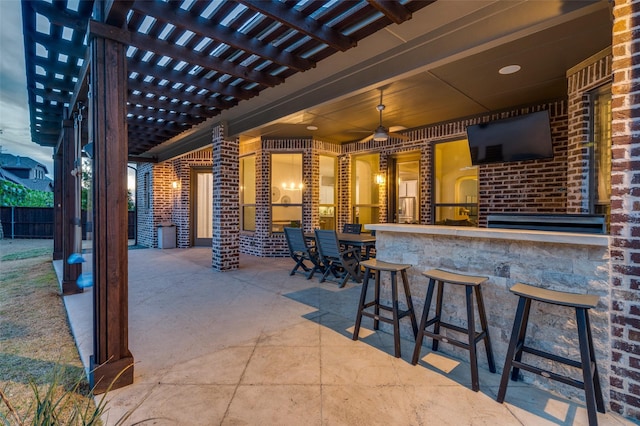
pixel 312 127
pixel 509 69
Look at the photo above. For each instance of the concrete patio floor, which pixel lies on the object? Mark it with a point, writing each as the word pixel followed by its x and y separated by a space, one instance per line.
pixel 256 346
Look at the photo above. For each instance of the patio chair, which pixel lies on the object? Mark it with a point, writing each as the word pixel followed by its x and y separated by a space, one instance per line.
pixel 352 228
pixel 340 264
pixel 300 252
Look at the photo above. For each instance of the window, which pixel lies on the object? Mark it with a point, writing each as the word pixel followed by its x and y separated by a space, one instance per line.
pixel 146 190
pixel 366 188
pixel 286 191
pixel 455 185
pixel 404 188
pixel 248 193
pixel 327 205
pixel 600 172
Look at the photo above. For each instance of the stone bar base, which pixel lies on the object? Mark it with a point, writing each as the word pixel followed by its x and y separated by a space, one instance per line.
pixel 569 262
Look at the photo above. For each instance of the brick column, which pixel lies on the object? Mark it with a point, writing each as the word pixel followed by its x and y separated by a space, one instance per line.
pixel 625 212
pixel 344 191
pixel 226 207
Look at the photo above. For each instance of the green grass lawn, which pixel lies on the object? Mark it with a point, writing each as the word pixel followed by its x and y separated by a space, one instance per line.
pixel 37 351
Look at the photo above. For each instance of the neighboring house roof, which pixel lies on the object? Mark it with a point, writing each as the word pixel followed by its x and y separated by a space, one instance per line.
pixel 10 161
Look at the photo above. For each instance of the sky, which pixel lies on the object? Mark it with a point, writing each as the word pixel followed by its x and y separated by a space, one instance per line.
pixel 15 135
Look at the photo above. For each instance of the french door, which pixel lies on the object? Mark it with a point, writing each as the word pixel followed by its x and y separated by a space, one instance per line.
pixel 202 206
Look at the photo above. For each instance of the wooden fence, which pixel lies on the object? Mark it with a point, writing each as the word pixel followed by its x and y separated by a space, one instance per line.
pixel 37 222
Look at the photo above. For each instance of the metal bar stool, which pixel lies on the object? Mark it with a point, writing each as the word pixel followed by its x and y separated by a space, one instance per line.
pixel 379 266
pixel 470 283
pixel 581 303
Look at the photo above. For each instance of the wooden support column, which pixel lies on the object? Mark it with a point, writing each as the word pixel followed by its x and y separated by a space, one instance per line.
pixel 226 209
pixel 58 238
pixel 112 361
pixel 69 221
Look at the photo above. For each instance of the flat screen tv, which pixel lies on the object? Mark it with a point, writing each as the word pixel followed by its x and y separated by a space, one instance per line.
pixel 525 137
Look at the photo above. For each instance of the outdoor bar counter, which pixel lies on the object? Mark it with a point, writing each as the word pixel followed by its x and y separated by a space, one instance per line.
pixel 573 262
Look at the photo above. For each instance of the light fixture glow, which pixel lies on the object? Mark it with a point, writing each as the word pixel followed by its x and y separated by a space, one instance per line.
pixel 509 69
pixel 311 127
pixel 380 178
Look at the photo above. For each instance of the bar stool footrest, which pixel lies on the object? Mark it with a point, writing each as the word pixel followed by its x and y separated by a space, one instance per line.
pixel 478 335
pixel 550 356
pixel 549 374
pixel 401 314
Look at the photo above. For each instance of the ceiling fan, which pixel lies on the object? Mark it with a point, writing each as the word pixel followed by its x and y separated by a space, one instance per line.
pixel 382 133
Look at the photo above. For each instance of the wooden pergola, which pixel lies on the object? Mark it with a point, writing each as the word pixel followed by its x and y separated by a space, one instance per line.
pixel 122 77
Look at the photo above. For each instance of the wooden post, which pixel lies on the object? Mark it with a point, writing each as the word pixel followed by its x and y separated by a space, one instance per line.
pixel 112 361
pixel 70 273
pixel 58 238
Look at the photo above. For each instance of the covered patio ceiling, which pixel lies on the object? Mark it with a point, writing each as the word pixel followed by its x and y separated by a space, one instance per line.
pixel 192 63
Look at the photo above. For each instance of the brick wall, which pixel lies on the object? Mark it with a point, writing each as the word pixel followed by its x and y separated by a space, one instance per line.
pixel 625 213
pixel 183 168
pixel 538 186
pixel 581 79
pixel 159 202
pixel 155 196
pixel 263 242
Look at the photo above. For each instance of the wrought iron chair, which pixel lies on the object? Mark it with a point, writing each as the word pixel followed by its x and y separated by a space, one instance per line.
pixel 301 252
pixel 341 264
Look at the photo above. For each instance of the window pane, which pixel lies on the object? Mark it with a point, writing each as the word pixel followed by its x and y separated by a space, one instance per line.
pixel 286 179
pixel 249 218
pixel 248 180
pixel 365 190
pixel 602 145
pixel 248 192
pixel 282 216
pixel 455 185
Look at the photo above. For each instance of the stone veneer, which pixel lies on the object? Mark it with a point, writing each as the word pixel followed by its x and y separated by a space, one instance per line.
pixel 575 267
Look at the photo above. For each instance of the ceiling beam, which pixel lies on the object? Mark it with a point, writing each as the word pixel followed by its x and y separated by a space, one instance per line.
pixel 392 10
pixel 291 18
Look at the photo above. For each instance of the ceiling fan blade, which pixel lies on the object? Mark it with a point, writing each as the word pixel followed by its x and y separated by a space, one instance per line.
pixel 399 136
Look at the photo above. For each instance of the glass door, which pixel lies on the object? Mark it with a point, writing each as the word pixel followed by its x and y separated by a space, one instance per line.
pixel 202 212
pixel 406 194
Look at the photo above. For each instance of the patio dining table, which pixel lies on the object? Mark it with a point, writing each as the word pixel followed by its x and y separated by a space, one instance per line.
pixel 364 241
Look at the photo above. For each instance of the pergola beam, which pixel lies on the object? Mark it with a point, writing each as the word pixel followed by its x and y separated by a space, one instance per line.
pixel 288 17
pixel 163 48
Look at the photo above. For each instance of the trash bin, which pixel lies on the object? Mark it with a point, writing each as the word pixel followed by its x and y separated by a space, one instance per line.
pixel 166 236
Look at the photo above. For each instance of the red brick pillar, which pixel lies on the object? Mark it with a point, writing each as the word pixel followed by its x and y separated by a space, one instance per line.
pixel 226 207
pixel 625 212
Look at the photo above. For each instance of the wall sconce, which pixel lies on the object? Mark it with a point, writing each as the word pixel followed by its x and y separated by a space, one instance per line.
pixel 380 179
pixel 175 184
